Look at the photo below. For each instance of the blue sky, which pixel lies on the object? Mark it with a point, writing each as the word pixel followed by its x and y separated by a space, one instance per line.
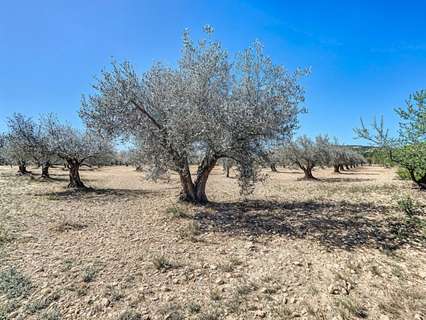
pixel 366 56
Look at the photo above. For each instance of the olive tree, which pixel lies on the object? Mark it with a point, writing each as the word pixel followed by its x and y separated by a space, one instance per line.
pixel 30 142
pixel 219 107
pixel 22 134
pixel 227 164
pixel 306 154
pixel 409 148
pixel 76 148
pixel 2 149
pixel 342 157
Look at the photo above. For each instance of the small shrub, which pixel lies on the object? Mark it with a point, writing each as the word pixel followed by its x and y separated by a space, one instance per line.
pixel 5 236
pixel 3 314
pixel 245 288
pixel 176 212
pixel 194 307
pixel 213 314
pixel 282 312
pixel 89 274
pixel 67 265
pixel 408 206
pixel 161 263
pixel 65 226
pixel 51 315
pixel 172 312
pixel 231 264
pixel 130 315
pixel 42 303
pixel 348 308
pixel 14 284
pixel 191 231
pixel 215 295
pixel 113 294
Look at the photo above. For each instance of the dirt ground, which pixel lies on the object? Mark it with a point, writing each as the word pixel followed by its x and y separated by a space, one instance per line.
pixel 338 248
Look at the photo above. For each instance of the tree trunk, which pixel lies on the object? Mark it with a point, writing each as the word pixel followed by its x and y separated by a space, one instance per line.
pixel 308 174
pixel 341 167
pixel 273 167
pixel 227 171
pixel 45 170
pixel 421 183
pixel 336 168
pixel 203 173
pixel 188 192
pixel 74 174
pixel 195 192
pixel 22 168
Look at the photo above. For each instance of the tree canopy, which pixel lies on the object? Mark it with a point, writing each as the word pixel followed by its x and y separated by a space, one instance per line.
pixel 223 108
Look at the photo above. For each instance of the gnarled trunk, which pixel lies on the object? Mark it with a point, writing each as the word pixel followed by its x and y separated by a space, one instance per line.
pixel 421 183
pixel 22 168
pixel 188 191
pixel 195 192
pixel 203 173
pixel 45 170
pixel 74 175
pixel 336 168
pixel 273 167
pixel 308 174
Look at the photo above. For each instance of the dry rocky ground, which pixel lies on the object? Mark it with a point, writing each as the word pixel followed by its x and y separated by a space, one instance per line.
pixel 339 248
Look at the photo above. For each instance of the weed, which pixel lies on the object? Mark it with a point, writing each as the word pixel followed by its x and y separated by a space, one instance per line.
pixel 231 264
pixel 194 307
pixel 68 226
pixel 89 274
pixel 408 206
pixel 14 284
pixel 50 315
pixel 348 308
pixel 213 314
pixel 67 265
pixel 281 312
pixel 176 212
pixel 5 236
pixel 113 294
pixel 130 314
pixel 172 312
pixel 42 303
pixel 191 231
pixel 245 288
pixel 161 263
pixel 215 295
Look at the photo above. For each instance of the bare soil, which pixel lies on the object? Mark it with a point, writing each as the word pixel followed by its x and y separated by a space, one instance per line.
pixel 338 248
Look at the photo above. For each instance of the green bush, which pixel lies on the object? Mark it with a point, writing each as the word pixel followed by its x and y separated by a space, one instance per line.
pixel 403 174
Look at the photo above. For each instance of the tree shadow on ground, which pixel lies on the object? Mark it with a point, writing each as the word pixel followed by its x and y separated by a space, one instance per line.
pixel 332 180
pixel 287 172
pixel 356 173
pixel 335 225
pixel 99 194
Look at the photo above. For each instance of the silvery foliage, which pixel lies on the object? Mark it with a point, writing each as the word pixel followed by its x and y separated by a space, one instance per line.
pixel 341 155
pixel 70 144
pixel 206 105
pixel 27 140
pixel 306 153
pixel 3 158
